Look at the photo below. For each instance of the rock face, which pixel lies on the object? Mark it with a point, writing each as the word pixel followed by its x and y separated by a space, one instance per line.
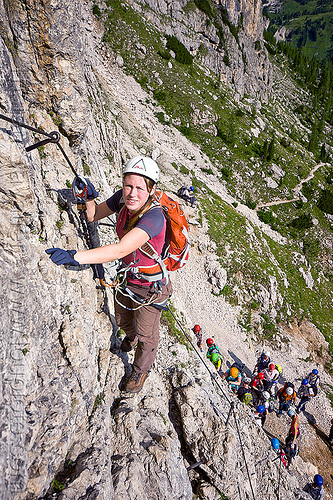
pixel 230 44
pixel 67 431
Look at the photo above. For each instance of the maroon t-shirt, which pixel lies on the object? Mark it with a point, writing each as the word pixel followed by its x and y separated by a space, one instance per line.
pixel 152 222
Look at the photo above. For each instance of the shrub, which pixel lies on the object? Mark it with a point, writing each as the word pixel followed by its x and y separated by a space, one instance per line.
pixel 187 131
pixel 160 95
pixel 160 116
pixel 329 178
pixel 226 60
pixel 164 53
pixel 205 7
pixel 325 202
pixel 182 55
pixel 226 173
pixel 97 11
pixel 250 203
pixel 304 221
pixel 266 216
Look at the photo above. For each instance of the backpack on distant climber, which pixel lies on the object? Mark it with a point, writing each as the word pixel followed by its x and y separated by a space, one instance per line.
pixel 181 191
pixel 279 368
pixel 246 398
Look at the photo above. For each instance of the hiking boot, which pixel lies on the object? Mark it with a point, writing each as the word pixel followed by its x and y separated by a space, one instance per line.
pixel 127 345
pixel 135 382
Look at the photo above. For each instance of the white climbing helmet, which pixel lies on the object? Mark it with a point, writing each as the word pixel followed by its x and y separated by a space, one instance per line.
pixel 266 395
pixel 289 391
pixel 142 165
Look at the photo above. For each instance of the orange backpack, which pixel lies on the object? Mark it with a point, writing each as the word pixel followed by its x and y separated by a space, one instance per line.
pixel 175 252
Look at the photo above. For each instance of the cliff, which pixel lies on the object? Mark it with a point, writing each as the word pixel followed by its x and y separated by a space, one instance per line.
pixel 227 39
pixel 67 431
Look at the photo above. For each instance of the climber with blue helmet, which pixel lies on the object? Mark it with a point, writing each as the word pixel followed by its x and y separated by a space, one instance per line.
pixel 305 393
pixel 279 451
pixel 315 489
pixel 314 380
pixel 260 415
pixel 187 194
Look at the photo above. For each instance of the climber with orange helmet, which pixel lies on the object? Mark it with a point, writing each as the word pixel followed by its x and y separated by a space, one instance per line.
pixel 214 352
pixel 234 378
pixel 198 333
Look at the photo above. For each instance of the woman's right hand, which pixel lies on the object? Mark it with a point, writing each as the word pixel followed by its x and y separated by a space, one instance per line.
pixel 91 191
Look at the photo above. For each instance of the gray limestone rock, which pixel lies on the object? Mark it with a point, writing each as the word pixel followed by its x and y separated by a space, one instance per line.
pixel 67 430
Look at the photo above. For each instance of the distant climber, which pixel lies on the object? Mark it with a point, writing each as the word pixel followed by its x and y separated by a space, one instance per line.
pixel 234 377
pixel 291 449
pixel 244 392
pixel 314 380
pixel 315 489
pixel 198 333
pixel 262 362
pixel 271 376
pixel 260 415
pixel 279 451
pixel 305 393
pixel 187 194
pixel 258 386
pixel 286 396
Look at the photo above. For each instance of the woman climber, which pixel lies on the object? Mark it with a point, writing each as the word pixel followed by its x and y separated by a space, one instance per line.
pixel 140 222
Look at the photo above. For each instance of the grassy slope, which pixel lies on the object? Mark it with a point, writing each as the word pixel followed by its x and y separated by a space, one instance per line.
pixel 311 24
pixel 179 90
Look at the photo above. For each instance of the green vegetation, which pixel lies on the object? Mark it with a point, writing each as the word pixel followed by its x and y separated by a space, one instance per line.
pixel 182 55
pixel 57 485
pixel 59 224
pixel 86 168
pixel 294 141
pixel 310 25
pixel 99 400
pixel 168 320
pixel 253 260
pixel 325 202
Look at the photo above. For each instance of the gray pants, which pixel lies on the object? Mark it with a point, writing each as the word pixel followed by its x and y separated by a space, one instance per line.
pixel 142 324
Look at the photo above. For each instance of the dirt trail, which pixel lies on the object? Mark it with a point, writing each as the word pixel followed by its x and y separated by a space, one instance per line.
pixel 296 189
